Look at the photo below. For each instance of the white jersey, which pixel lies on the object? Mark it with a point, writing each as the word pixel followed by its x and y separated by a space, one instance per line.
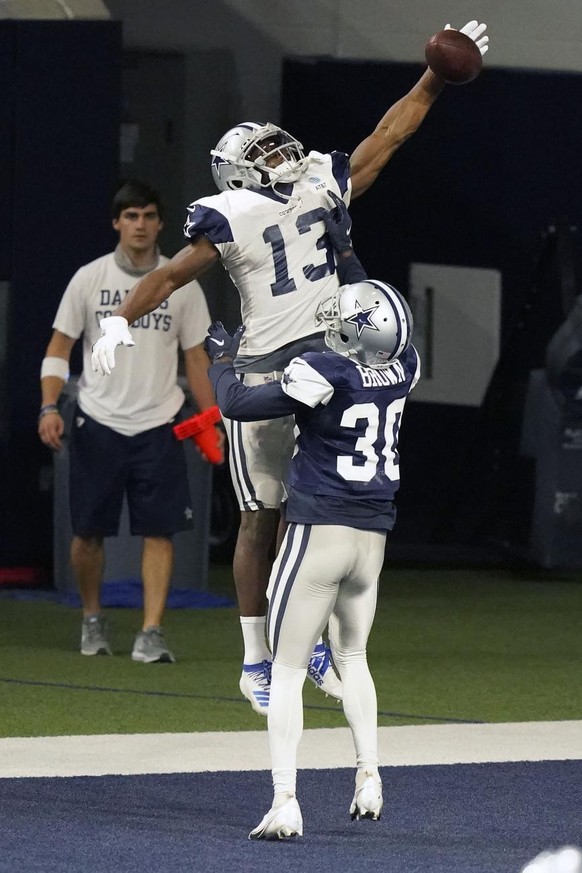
pixel 142 392
pixel 276 250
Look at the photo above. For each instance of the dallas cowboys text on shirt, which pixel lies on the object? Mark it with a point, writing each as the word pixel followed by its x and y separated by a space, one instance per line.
pixel 156 320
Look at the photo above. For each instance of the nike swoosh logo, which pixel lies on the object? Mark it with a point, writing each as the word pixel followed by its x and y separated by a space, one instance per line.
pixel 218 342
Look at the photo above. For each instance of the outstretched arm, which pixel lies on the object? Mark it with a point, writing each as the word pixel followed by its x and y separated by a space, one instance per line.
pixel 394 128
pixel 402 120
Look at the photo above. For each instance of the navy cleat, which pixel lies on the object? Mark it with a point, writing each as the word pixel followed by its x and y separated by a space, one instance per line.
pixel 255 685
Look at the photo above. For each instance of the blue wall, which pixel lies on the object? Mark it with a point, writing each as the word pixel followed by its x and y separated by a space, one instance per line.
pixel 59 108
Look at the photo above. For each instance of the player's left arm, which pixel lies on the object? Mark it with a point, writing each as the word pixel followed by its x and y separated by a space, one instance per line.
pixel 402 119
pixel 235 400
pixel 243 403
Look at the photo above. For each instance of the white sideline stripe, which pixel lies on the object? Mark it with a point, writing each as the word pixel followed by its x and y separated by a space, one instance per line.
pixel 129 754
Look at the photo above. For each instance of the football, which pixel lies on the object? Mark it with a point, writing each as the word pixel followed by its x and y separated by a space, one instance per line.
pixel 454 56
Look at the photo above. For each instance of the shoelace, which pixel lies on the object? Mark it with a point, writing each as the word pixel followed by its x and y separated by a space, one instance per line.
pixel 95 630
pixel 156 636
pixel 263 676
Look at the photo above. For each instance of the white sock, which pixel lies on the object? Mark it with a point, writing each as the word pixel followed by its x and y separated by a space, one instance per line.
pixel 282 795
pixel 361 709
pixel 255 644
pixel 285 723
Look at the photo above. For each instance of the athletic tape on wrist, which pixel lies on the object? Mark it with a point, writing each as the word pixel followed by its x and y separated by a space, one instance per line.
pixel 53 366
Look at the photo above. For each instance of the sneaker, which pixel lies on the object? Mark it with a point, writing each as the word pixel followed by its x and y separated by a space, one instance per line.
pixel 94 636
pixel 321 672
pixel 255 685
pixel 280 823
pixel 150 646
pixel 367 802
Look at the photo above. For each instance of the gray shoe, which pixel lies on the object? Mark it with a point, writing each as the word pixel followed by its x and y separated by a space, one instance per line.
pixel 150 646
pixel 94 636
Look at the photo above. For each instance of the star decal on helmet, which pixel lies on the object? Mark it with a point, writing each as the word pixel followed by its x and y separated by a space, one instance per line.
pixel 362 318
pixel 218 161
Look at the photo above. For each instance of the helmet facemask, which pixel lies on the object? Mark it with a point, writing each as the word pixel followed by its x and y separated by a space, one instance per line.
pixel 241 159
pixel 287 151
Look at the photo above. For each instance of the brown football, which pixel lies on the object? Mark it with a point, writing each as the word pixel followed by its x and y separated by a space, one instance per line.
pixel 454 56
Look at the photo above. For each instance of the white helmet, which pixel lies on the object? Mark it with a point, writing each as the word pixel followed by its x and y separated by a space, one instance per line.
pixel 369 320
pixel 240 158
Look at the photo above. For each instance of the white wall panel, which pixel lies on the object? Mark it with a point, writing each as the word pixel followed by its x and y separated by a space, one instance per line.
pixel 457 320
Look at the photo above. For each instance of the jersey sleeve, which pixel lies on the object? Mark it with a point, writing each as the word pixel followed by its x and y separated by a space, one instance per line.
pixel 245 403
pixel 70 317
pixel 350 270
pixel 340 167
pixel 209 222
pixel 306 384
pixel 414 365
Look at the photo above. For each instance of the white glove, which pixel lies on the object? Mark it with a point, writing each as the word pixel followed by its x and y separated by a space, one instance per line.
pixel 474 30
pixel 566 860
pixel 114 332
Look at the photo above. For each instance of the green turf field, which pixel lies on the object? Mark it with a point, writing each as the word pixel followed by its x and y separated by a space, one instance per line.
pixel 474 645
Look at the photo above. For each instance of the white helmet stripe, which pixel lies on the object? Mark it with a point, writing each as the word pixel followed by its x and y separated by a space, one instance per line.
pixel 400 313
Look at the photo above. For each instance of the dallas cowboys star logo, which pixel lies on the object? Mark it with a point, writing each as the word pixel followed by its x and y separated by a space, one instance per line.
pixel 217 162
pixel 362 318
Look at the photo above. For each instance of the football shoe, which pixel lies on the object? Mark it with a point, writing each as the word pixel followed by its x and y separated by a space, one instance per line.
pixel 255 685
pixel 367 802
pixel 280 823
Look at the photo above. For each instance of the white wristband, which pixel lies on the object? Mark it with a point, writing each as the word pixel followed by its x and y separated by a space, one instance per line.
pixel 55 367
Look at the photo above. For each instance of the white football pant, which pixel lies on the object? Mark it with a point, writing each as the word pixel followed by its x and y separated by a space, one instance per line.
pixel 323 573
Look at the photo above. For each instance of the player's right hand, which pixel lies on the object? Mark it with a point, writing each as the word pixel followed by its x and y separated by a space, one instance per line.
pixel 474 31
pixel 114 332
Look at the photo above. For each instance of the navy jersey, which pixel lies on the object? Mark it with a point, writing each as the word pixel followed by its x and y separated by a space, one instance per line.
pixel 346 466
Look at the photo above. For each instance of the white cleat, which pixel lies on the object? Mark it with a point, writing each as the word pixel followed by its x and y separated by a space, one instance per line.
pixel 367 802
pixel 280 823
pixel 255 685
pixel 321 672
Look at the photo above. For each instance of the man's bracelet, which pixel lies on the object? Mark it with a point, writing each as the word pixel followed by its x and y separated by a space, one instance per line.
pixel 48 409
